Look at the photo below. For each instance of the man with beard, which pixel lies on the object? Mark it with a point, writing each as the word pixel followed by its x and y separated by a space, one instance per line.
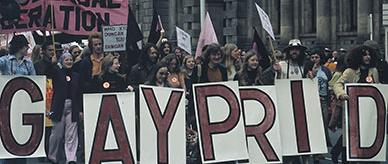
pixel 139 74
pixel 140 71
pixel 293 68
pixel 90 66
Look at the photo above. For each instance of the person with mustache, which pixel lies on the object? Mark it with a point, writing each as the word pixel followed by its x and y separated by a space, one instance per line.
pixel 294 66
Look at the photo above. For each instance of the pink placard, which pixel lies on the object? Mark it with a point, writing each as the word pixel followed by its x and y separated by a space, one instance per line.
pixel 78 17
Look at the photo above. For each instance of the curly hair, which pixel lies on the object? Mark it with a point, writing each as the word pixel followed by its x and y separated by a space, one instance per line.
pixel 355 60
pixel 211 49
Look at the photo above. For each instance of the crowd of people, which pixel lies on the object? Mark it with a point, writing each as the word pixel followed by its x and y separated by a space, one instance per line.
pixel 77 70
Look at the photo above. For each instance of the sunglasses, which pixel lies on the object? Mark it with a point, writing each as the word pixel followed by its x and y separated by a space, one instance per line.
pixel 76 52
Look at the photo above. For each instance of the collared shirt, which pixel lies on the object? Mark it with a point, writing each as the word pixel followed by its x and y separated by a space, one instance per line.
pixel 9 65
pixel 96 68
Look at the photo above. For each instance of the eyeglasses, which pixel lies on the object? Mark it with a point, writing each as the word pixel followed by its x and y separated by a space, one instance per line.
pixel 76 52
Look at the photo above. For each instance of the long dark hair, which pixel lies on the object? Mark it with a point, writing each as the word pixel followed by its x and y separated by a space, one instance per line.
pixel 355 60
pixel 162 46
pixel 167 60
pixel 151 79
pixel 301 58
pixel 144 57
pixel 243 73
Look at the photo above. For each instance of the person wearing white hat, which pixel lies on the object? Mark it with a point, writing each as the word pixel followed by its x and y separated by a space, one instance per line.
pixel 293 68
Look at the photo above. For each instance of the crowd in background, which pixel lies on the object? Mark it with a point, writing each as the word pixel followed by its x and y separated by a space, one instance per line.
pixel 76 70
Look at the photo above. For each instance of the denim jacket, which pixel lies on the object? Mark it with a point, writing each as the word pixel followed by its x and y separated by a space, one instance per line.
pixel 9 65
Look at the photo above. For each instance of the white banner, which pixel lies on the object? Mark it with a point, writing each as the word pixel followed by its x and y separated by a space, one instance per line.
pixel 110 132
pixel 366 122
pixel 261 124
pixel 114 38
pixel 22 108
pixel 220 122
pixel 301 123
pixel 265 22
pixel 183 39
pixel 162 125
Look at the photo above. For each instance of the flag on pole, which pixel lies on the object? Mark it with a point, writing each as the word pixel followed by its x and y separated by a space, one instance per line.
pixel 156 28
pixel 134 35
pixel 207 35
pixel 265 22
pixel 261 50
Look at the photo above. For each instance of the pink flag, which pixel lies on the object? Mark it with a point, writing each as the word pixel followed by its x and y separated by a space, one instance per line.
pixel 207 36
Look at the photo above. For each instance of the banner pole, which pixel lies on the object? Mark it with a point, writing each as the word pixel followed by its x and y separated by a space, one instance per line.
pixel 52 28
pixel 272 56
pixel 6 43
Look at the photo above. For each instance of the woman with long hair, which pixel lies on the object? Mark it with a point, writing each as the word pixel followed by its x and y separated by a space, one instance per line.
pixel 361 69
pixel 158 76
pixel 361 63
pixel 251 72
pixel 232 60
pixel 165 49
pixel 174 78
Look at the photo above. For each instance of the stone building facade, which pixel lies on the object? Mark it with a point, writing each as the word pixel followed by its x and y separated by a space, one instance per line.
pixel 330 23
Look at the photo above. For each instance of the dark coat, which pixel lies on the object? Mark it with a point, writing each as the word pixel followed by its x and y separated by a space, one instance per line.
pixel 88 83
pixel 61 89
pixel 138 75
pixel 113 83
pixel 204 77
pixel 42 66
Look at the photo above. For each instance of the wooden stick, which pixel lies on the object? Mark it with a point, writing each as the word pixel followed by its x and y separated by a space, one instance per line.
pixel 6 43
pixel 52 27
pixel 272 57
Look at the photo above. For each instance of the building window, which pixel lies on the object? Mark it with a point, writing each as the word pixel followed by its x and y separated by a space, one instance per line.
pixel 347 15
pixel 189 25
pixel 309 16
pixel 353 15
pixel 275 15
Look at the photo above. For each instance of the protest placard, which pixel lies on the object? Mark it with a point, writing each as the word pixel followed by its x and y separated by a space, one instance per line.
pixel 114 38
pixel 162 125
pixel 22 107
